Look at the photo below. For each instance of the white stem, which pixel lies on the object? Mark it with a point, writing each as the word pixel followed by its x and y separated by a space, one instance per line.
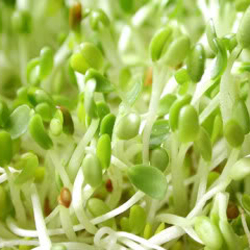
pixel 39 220
pixel 77 203
pixel 179 191
pixel 3 178
pixel 201 203
pixel 140 240
pixel 67 223
pixel 174 220
pixel 118 163
pixel 16 199
pixel 231 160
pixel 124 207
pixel 61 170
pixel 227 88
pixel 157 87
pixel 203 85
pixel 203 180
pixel 210 108
pixel 13 243
pixel 78 154
pixel 244 224
pixel 52 215
pixel 117 181
pixel 167 235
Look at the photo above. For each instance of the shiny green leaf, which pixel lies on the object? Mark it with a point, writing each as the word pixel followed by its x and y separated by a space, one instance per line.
pixel 149 180
pixel 18 121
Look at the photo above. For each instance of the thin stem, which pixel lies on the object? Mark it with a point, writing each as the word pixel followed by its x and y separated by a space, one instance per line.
pixel 67 223
pixel 124 207
pixel 157 87
pixel 52 215
pixel 117 181
pixel 78 154
pixel 227 88
pixel 231 160
pixel 201 203
pixel 60 170
pixel 16 199
pixel 200 184
pixel 244 224
pixel 179 190
pixel 77 203
pixel 167 235
pixel 39 220
pixel 174 220
pixel 210 108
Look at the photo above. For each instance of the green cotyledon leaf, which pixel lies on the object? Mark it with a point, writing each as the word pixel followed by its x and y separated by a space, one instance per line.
pixel 149 180
pixel 18 121
pixel 133 94
pixel 28 163
pixel 221 60
pixel 160 132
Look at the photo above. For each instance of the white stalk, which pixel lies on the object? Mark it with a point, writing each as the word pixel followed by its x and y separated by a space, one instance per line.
pixel 43 235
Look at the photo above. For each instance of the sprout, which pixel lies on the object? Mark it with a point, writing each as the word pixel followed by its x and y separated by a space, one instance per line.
pixel 159 158
pixel 203 144
pixel 177 51
pixel 159 42
pixel 196 63
pixel 92 170
pixel 211 35
pixel 242 35
pixel 233 133
pixel 240 169
pixel 103 150
pixel 165 104
pixel 98 18
pixel 46 62
pixel 97 207
pixel 124 124
pixel 89 56
pixel 128 126
pixel 175 109
pixel 137 219
pixel 38 132
pixel 18 121
pixel 208 232
pixel 149 180
pixel 28 164
pixel 107 124
pixel 182 76
pixel 188 124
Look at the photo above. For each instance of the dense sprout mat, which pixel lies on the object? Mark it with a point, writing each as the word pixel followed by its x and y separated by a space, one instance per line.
pixel 124 124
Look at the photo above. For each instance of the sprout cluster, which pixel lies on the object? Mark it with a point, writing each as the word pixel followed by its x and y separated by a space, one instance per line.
pixel 124 124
